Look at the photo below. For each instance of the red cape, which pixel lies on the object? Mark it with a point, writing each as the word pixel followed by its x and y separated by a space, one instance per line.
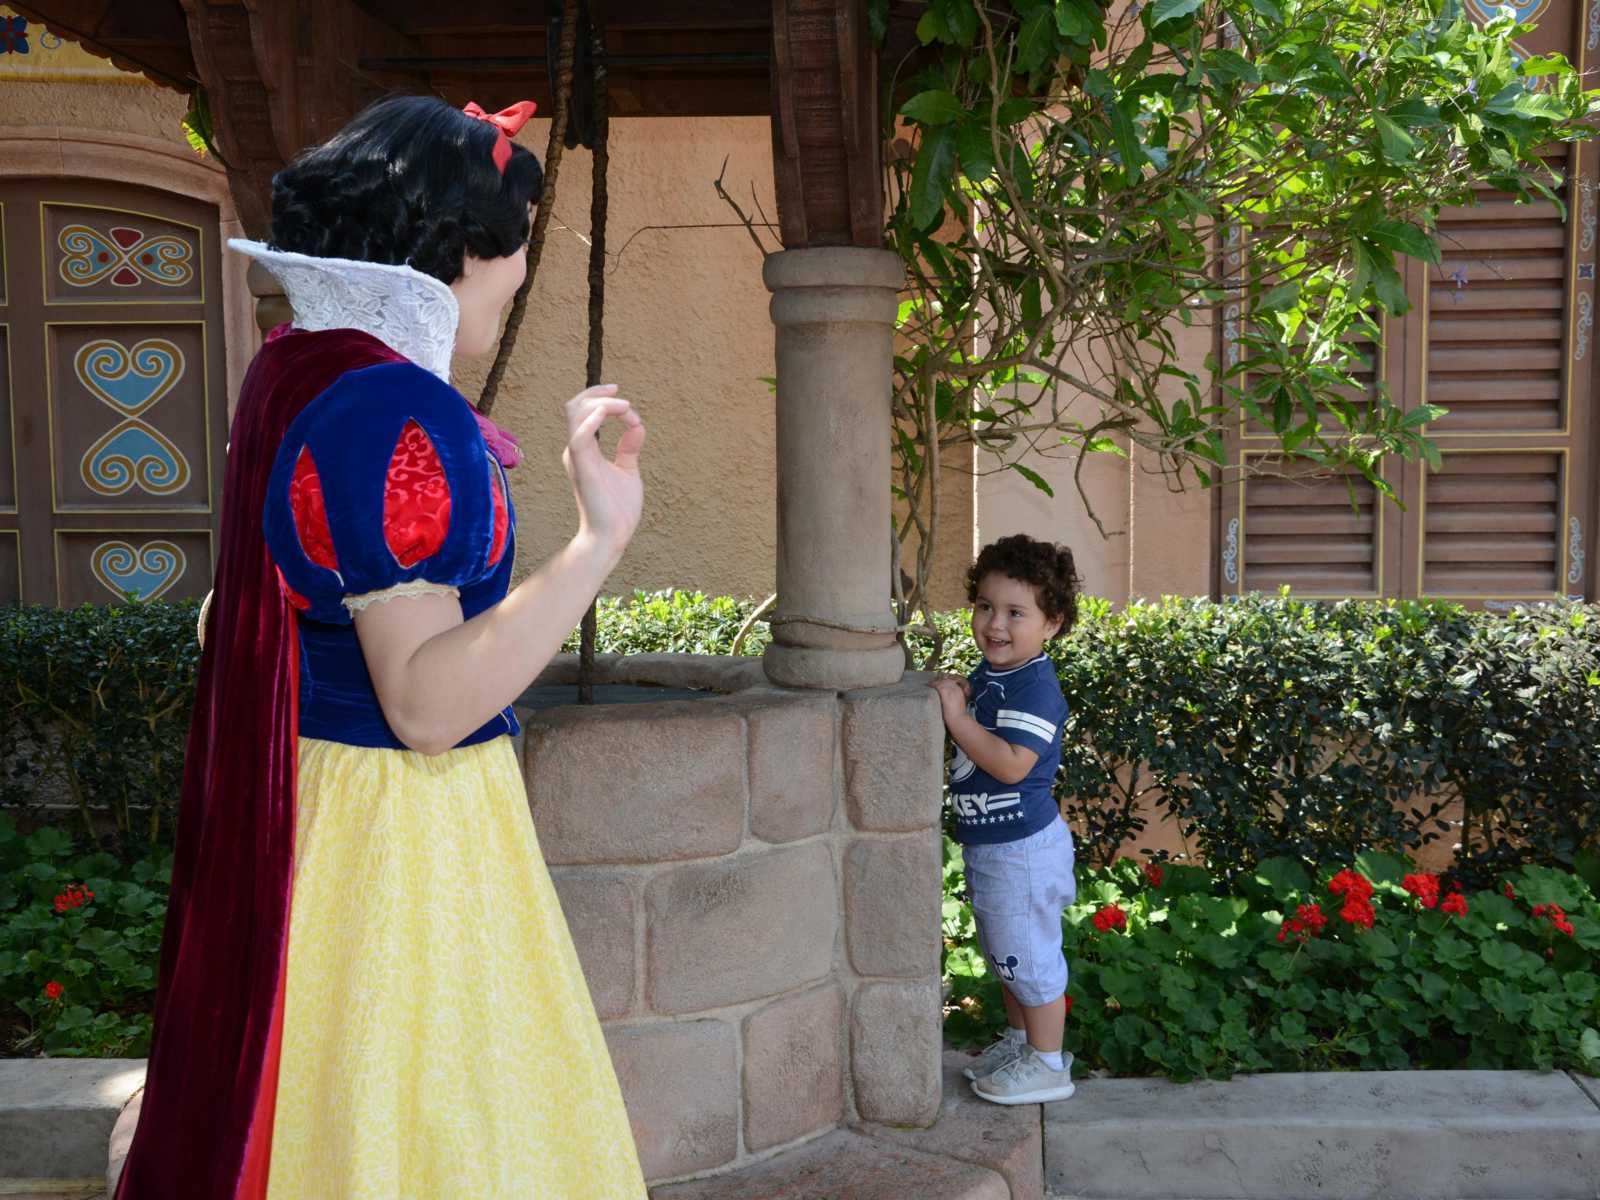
pixel 205 1131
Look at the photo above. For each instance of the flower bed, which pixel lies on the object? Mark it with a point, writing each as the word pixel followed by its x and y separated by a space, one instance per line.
pixel 1361 968
pixel 79 939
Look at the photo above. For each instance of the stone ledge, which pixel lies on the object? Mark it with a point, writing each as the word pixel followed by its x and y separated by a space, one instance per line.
pixel 1379 1135
pixel 1005 1139
pixel 56 1115
pixel 846 1165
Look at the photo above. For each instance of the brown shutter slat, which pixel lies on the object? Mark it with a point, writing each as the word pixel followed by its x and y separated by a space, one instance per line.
pixel 1305 532
pixel 1490 523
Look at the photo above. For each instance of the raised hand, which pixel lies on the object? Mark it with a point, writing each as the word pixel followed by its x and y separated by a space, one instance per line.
pixel 610 493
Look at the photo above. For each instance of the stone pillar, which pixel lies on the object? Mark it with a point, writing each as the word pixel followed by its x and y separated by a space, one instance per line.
pixel 833 308
pixel 272 306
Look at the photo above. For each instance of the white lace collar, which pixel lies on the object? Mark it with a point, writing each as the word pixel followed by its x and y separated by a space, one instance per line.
pixel 411 313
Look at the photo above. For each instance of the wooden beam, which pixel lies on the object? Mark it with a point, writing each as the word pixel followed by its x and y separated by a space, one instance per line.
pixel 826 153
pixel 282 75
pixel 155 45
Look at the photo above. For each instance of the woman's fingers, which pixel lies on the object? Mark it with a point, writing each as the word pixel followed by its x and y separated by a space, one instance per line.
pixel 630 444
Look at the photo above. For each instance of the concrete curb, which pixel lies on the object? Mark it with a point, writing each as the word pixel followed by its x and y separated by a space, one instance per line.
pixel 1381 1135
pixel 56 1116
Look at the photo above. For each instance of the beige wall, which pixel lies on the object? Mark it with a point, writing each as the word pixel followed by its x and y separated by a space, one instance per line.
pixel 688 340
pixel 140 107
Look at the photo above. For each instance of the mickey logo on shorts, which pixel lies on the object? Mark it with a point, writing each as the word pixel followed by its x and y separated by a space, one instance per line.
pixel 1007 969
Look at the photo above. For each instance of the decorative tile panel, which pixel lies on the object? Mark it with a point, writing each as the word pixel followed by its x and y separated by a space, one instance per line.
pixel 108 566
pixel 128 417
pixel 99 256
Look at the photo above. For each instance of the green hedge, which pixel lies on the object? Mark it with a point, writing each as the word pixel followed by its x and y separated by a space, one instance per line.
pixel 1170 978
pixel 94 713
pixel 1264 727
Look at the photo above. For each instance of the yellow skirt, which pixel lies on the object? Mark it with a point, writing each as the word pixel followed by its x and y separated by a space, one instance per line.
pixel 438 1037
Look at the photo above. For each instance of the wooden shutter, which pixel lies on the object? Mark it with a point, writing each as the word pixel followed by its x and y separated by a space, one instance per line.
pixel 1501 333
pixel 1505 332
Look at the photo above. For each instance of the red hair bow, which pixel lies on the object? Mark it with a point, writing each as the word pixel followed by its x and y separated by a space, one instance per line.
pixel 507 121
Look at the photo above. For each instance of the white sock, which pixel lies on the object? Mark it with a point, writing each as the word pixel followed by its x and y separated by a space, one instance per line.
pixel 1052 1058
pixel 1015 1036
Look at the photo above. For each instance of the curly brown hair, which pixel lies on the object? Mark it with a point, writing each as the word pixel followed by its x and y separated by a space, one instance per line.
pixel 1046 567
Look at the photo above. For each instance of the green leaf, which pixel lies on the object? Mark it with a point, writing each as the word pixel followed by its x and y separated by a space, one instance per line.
pixel 1280 298
pixel 975 149
pixel 1031 300
pixel 960 18
pixel 1398 145
pixel 1072 22
pixel 1015 110
pixel 1422 415
pixel 933 107
pixel 1230 66
pixel 1035 39
pixel 878 19
pixel 1589 1043
pixel 1380 867
pixel 1284 876
pixel 1171 10
pixel 936 160
pixel 1033 477
pixel 1405 239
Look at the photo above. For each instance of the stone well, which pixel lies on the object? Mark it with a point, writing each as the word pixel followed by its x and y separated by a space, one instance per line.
pixel 752 879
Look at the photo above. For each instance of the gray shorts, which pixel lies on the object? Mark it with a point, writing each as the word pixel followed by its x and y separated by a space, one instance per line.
pixel 1019 890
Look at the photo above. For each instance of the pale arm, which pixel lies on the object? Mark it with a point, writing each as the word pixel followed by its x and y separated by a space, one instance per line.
pixel 438 677
pixel 988 751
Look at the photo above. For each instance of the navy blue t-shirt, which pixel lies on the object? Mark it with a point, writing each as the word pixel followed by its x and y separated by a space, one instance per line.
pixel 1025 707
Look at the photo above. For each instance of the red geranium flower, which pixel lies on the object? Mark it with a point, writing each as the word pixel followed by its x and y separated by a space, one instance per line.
pixel 1348 883
pixel 1154 873
pixel 1311 916
pixel 53 990
pixel 1110 917
pixel 1358 911
pixel 1511 892
pixel 1068 998
pixel 1455 904
pixel 76 896
pixel 1424 887
pixel 1556 915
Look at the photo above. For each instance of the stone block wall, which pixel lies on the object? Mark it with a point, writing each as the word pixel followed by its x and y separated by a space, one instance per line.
pixel 752 880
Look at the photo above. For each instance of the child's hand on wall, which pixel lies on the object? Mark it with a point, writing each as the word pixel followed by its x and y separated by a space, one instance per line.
pixel 954 692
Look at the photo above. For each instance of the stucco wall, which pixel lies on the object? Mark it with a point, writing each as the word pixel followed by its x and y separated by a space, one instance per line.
pixel 140 108
pixel 687 340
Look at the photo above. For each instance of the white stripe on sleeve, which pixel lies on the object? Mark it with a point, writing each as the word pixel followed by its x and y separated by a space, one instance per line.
pixel 1011 718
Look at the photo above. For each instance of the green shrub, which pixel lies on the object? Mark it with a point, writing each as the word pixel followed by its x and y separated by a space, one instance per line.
pixel 672 622
pixel 79 939
pixel 94 710
pixel 1196 984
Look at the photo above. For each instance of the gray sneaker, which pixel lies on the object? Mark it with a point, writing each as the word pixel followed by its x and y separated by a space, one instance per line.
pixel 1027 1080
pixel 992 1059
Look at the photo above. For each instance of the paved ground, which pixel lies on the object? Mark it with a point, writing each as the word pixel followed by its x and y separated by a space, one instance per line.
pixel 1456 1135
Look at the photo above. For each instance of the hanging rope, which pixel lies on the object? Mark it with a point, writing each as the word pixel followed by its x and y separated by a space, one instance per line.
pixel 561 88
pixel 597 306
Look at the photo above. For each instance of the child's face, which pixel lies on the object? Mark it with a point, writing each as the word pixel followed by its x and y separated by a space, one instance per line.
pixel 1007 622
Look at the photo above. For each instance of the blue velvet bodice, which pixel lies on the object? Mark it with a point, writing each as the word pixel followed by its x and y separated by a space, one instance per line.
pixel 351 434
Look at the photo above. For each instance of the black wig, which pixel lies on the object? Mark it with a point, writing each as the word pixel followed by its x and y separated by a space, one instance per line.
pixel 410 180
